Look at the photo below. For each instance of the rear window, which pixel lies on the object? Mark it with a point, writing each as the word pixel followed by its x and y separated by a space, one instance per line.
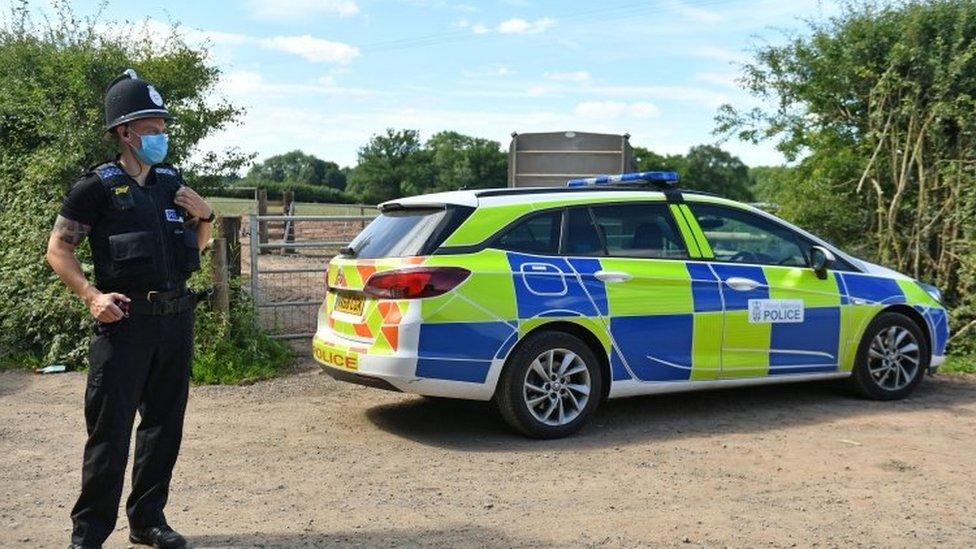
pixel 406 232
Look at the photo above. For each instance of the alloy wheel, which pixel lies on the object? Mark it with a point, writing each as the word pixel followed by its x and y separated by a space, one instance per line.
pixel 557 387
pixel 893 358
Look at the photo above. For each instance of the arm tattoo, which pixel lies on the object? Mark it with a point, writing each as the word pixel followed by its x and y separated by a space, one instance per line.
pixel 70 232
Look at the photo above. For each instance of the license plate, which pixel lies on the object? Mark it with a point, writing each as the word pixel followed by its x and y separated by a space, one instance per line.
pixel 350 304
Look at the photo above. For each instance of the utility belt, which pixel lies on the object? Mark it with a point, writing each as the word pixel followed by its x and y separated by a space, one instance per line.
pixel 170 302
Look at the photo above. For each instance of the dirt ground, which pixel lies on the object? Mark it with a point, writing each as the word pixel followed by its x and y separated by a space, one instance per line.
pixel 303 461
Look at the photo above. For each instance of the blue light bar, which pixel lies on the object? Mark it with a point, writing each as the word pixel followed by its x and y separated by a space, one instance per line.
pixel 668 178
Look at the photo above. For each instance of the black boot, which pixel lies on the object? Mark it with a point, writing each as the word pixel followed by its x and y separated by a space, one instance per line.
pixel 160 537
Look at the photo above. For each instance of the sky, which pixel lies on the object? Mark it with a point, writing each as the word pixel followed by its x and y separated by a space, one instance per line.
pixel 325 75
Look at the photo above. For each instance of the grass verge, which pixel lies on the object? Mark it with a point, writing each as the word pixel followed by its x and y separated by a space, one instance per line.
pixel 959 364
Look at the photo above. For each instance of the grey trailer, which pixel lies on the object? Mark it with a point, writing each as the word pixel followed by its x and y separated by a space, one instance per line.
pixel 550 159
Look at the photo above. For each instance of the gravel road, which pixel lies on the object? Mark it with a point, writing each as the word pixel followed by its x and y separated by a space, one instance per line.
pixel 303 461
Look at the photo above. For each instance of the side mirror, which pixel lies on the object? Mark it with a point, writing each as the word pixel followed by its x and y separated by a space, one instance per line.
pixel 821 259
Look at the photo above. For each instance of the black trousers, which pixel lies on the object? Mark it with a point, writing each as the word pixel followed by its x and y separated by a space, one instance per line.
pixel 141 363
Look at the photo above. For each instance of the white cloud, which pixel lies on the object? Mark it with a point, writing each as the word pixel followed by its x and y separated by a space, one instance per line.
pixel 515 25
pixel 575 76
pixel 615 109
pixel 315 50
pixel 252 89
pixel 693 13
pixel 718 54
pixel 718 78
pixel 702 96
pixel 294 10
pixel 518 25
pixel 498 71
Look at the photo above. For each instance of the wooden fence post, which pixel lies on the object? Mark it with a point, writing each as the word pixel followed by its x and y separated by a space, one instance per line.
pixel 362 222
pixel 230 230
pixel 287 202
pixel 221 296
pixel 262 198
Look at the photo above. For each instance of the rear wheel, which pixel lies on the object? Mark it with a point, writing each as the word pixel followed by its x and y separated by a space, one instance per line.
pixel 891 358
pixel 551 385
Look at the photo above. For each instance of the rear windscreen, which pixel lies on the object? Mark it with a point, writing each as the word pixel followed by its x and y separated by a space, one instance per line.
pixel 406 232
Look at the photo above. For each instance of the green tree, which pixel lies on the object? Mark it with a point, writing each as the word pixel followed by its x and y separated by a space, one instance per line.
pixel 461 161
pixel 650 161
pixel 298 167
pixel 876 105
pixel 51 129
pixel 391 165
pixel 705 168
pixel 709 168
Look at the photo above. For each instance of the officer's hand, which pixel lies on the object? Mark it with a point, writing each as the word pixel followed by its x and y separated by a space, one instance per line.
pixel 193 203
pixel 103 307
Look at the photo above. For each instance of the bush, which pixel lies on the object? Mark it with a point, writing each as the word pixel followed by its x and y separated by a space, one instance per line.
pixel 233 348
pixel 303 192
pixel 51 129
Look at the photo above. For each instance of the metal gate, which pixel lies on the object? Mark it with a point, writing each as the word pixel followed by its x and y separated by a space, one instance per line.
pixel 287 272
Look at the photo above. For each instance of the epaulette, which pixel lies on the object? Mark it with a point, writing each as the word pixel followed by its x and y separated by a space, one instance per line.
pixel 167 170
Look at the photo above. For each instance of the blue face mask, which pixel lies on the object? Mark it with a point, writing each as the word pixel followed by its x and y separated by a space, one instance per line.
pixel 154 148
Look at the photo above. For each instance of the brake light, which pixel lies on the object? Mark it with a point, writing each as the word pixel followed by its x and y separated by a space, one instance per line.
pixel 415 283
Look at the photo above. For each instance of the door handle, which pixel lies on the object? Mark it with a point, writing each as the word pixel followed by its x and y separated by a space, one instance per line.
pixel 612 276
pixel 740 284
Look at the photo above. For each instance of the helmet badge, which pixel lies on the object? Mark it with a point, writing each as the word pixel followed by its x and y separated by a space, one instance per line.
pixel 154 95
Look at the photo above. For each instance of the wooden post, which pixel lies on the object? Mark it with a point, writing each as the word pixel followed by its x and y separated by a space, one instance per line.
pixel 262 197
pixel 287 198
pixel 221 297
pixel 362 222
pixel 230 230
pixel 287 202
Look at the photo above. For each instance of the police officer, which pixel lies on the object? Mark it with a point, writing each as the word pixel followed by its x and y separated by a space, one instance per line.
pixel 146 229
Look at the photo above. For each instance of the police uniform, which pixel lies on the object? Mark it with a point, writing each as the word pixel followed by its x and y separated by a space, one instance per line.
pixel 142 249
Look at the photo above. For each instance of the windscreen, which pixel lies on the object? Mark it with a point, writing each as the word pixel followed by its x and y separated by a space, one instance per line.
pixel 398 233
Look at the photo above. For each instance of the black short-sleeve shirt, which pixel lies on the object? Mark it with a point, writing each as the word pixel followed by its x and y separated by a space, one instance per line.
pixel 86 202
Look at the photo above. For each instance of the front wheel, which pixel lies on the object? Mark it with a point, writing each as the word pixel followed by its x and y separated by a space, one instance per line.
pixel 891 358
pixel 551 385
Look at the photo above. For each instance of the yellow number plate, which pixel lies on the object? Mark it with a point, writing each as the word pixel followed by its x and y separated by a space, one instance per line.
pixel 350 304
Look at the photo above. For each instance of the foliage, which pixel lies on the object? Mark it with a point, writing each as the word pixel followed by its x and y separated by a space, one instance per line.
pixel 959 364
pixel 233 348
pixel 303 192
pixel 705 168
pixel 391 165
pixel 464 162
pixel 297 167
pixel 877 106
pixel 396 164
pixel 51 127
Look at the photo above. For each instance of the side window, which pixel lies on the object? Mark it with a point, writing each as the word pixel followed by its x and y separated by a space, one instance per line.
pixel 537 234
pixel 741 237
pixel 581 234
pixel 629 230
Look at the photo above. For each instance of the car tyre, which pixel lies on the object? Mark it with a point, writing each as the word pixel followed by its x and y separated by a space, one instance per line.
pixel 550 386
pixel 891 358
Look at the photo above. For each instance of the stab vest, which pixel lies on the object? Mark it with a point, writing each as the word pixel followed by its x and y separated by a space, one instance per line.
pixel 140 243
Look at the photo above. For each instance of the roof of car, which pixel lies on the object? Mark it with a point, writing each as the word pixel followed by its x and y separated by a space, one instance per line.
pixel 489 197
pixel 540 195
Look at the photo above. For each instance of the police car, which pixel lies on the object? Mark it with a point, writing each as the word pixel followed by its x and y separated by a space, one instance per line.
pixel 549 300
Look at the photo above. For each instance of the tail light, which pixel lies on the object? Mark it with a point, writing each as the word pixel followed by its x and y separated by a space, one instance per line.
pixel 415 283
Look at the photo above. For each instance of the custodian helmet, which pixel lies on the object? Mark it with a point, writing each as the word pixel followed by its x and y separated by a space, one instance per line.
pixel 130 98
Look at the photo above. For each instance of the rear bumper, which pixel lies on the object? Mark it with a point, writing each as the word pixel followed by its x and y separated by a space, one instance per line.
pixel 350 361
pixel 935 362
